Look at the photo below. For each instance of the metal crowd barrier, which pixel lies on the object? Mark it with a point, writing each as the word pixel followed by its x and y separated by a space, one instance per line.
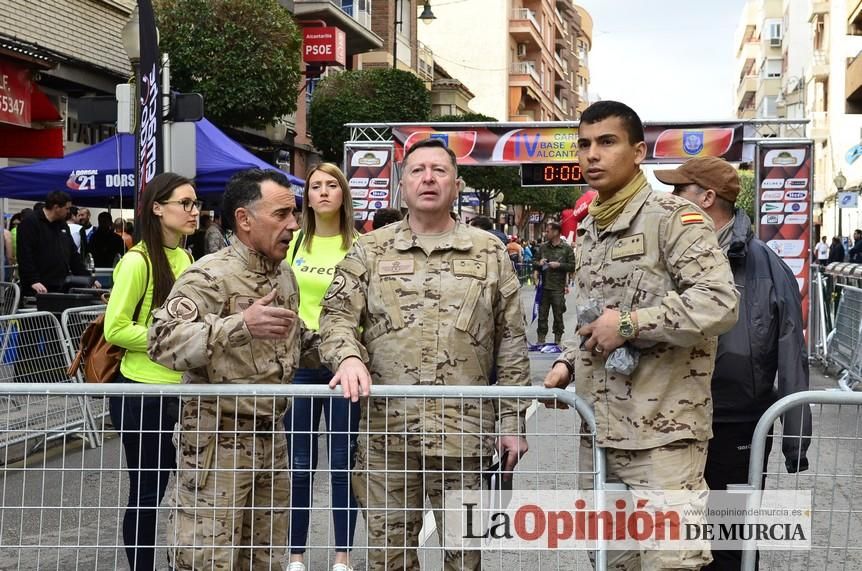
pixel 64 507
pixel 34 350
pixel 843 347
pixel 835 462
pixel 525 272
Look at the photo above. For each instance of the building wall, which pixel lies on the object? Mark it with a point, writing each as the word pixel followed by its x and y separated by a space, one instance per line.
pixel 88 30
pixel 470 40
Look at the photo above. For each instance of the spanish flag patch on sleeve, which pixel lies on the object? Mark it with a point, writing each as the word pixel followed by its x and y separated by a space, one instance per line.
pixel 691 218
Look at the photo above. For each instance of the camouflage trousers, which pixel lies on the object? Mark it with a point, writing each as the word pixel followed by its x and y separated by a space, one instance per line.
pixel 555 300
pixel 679 465
pixel 231 498
pixel 391 487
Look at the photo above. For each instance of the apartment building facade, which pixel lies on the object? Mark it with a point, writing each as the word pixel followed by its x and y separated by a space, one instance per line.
pixel 522 62
pixel 797 59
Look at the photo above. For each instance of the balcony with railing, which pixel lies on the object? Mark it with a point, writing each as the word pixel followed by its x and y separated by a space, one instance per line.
pixel 526 68
pixel 819 125
pixel 424 62
pixel 526 15
pixel 820 64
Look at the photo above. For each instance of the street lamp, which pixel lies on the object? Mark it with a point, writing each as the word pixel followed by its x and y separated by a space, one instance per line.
pixel 131 38
pixel 840 180
pixel 427 16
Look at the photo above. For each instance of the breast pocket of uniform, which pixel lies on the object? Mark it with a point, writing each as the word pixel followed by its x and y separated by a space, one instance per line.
pixel 644 290
pixel 392 297
pixel 475 316
pixel 242 356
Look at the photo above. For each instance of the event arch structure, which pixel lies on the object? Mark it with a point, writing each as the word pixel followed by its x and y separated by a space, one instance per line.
pixel 778 150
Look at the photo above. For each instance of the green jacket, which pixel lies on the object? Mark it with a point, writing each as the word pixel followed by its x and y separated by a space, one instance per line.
pixel 554 279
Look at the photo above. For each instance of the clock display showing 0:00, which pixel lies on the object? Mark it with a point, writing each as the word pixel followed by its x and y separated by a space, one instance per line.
pixel 551 174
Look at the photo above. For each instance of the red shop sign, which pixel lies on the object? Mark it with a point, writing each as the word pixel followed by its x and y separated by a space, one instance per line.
pixel 326 45
pixel 16 91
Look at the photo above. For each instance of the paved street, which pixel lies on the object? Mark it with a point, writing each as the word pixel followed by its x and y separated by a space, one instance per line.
pixel 74 498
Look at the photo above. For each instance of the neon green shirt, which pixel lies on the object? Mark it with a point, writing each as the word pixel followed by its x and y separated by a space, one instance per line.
pixel 314 272
pixel 129 286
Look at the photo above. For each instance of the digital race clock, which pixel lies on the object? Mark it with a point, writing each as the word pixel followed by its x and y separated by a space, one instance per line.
pixel 551 174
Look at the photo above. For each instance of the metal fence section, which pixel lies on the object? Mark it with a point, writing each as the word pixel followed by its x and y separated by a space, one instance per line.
pixel 35 351
pixel 835 463
pixel 10 298
pixel 843 349
pixel 65 507
pixel 819 316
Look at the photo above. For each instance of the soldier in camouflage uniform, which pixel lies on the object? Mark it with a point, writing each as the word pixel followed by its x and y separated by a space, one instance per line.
pixel 652 261
pixel 231 318
pixel 437 303
pixel 554 262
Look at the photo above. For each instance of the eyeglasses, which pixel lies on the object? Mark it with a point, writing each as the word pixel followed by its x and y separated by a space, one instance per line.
pixel 187 203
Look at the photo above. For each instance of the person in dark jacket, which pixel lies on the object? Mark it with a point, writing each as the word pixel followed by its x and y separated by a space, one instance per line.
pixel 856 251
pixel 46 252
pixel 766 341
pixel 836 251
pixel 105 245
pixel 485 224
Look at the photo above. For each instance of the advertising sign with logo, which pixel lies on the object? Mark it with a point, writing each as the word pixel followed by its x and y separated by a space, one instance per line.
pixel 370 172
pixel 16 90
pixel 509 145
pixel 325 45
pixel 151 160
pixel 784 223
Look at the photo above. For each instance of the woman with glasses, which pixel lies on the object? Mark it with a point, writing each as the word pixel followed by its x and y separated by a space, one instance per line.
pixel 142 280
pixel 327 234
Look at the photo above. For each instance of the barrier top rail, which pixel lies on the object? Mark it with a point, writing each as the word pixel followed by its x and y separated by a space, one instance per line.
pixel 275 390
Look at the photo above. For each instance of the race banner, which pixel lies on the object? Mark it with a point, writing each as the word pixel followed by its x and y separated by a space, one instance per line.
pixel 783 196
pixel 370 176
pixel 150 158
pixel 506 144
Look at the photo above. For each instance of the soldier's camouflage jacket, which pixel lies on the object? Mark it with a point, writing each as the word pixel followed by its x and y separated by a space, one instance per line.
pixel 448 318
pixel 660 257
pixel 200 328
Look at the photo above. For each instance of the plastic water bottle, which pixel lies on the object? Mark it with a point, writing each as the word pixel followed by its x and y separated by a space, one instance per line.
pixel 89 263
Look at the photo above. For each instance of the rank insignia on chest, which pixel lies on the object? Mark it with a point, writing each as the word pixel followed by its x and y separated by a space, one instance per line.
pixel 691 218
pixel 395 267
pixel 628 246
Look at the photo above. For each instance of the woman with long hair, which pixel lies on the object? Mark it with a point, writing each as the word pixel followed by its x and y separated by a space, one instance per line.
pixel 327 234
pixel 142 281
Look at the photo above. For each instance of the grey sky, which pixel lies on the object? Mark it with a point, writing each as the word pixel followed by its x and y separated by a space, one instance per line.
pixel 670 60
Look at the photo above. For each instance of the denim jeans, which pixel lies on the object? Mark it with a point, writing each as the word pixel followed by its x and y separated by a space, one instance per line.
pixel 146 425
pixel 301 423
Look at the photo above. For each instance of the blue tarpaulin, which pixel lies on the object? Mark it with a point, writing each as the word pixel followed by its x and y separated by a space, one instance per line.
pixel 105 171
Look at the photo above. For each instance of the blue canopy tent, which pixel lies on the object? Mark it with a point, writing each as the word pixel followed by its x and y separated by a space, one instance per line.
pixel 103 173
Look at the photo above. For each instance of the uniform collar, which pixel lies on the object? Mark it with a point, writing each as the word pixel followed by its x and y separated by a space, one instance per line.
pixel 623 221
pixel 254 262
pixel 405 238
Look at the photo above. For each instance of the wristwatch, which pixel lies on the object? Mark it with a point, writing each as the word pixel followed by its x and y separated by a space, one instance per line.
pixel 627 327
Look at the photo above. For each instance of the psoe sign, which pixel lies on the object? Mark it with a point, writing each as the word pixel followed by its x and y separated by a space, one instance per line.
pixel 326 46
